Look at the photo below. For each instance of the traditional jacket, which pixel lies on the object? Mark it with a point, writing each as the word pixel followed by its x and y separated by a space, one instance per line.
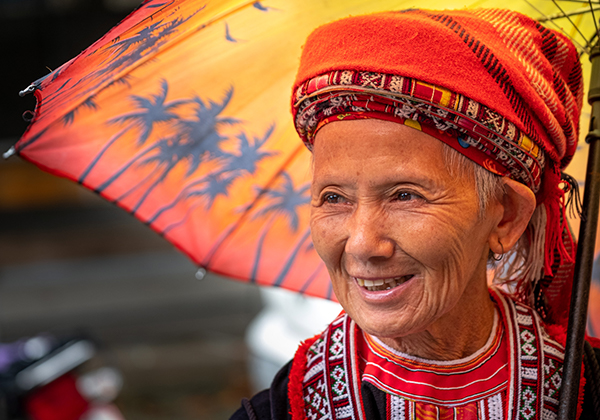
pixel 344 373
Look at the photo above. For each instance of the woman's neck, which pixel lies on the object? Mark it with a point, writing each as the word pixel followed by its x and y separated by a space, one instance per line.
pixel 455 335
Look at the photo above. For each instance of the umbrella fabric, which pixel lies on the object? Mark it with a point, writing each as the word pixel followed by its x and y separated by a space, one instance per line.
pixel 180 115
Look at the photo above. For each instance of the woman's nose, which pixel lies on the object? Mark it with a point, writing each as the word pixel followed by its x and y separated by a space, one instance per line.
pixel 368 235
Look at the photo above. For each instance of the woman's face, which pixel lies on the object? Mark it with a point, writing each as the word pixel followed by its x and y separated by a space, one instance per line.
pixel 402 239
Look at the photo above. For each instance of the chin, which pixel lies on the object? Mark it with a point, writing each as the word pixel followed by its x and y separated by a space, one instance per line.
pixel 391 326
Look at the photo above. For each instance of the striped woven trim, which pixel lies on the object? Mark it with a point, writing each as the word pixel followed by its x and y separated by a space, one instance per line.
pixel 460 122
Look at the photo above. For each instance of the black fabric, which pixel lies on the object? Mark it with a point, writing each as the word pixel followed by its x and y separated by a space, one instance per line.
pixel 270 404
pixel 259 407
pixel 374 401
pixel 280 403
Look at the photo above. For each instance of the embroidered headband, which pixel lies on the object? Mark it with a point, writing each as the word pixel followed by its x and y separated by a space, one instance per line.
pixel 493 84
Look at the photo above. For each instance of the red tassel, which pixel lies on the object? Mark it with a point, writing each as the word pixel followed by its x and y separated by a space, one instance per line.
pixel 296 380
pixel 553 198
pixel 557 332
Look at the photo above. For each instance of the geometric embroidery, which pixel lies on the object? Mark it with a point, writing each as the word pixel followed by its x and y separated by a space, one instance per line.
pixel 338 378
pixel 528 344
pixel 337 346
pixel 315 394
pixel 552 377
pixel 541 367
pixel 495 410
pixel 528 387
pixel 528 398
pixel 315 399
pixel 327 383
pixel 396 408
pixel 524 319
pixel 529 373
pixel 488 408
pixel 343 412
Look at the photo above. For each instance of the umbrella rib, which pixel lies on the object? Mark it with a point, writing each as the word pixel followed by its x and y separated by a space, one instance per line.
pixel 150 56
pixel 247 210
pixel 577 12
pixel 573 23
pixel 580 1
pixel 595 22
pixel 581 47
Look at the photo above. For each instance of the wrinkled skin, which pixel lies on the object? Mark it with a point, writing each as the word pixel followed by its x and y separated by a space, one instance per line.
pixel 384 206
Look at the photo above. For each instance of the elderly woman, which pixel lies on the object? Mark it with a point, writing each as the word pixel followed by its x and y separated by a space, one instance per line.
pixel 438 141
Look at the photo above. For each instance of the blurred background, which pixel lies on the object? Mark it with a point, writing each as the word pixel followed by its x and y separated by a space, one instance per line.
pixel 72 264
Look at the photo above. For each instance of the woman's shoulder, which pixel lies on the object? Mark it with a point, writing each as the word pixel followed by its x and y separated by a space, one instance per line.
pixel 274 403
pixel 270 404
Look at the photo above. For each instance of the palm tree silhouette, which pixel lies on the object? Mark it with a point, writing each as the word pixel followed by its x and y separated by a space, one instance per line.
pixel 250 153
pixel 291 258
pixel 70 116
pixel 144 42
pixel 148 112
pixel 284 202
pixel 211 186
pixel 217 183
pixel 200 136
pixel 196 140
pixel 146 33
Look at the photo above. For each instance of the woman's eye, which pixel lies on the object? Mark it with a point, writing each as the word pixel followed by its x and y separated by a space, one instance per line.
pixel 331 198
pixel 406 196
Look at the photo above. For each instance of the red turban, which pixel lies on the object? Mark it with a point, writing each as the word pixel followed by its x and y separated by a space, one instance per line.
pixel 493 84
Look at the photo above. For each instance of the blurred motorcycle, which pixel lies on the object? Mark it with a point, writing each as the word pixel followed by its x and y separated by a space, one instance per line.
pixel 38 381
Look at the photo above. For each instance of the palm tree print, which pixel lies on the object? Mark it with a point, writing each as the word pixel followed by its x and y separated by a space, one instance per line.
pixel 131 50
pixel 291 258
pixel 70 116
pixel 194 141
pixel 200 136
pixel 150 111
pixel 210 188
pixel 147 113
pixel 250 153
pixel 284 202
pixel 218 183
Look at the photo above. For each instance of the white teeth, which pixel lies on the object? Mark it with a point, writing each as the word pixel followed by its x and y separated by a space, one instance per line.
pixel 380 284
pixel 371 283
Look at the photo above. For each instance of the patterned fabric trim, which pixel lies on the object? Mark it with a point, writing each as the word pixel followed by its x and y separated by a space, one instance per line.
pixel 328 392
pixel 473 129
pixel 331 384
pixel 451 383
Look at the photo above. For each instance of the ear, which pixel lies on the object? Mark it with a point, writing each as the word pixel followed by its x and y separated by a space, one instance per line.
pixel 517 206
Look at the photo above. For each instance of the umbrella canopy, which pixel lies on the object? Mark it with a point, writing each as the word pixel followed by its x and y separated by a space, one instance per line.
pixel 180 115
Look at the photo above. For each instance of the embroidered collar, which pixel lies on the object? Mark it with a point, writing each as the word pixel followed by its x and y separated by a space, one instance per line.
pixel 447 383
pixel 326 375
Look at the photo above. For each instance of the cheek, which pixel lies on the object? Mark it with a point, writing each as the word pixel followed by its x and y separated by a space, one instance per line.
pixel 327 236
pixel 445 245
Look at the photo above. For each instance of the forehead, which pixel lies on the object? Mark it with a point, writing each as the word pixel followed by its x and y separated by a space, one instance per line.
pixel 377 149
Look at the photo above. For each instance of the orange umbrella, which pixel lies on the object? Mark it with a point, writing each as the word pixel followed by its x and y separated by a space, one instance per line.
pixel 180 115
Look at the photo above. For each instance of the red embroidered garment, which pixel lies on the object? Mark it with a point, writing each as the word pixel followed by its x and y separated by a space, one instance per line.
pixel 516 375
pixel 457 382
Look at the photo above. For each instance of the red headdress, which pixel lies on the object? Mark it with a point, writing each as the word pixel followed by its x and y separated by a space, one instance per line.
pixel 493 84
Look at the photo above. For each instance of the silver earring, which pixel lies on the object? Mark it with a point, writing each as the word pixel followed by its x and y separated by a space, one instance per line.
pixel 497 257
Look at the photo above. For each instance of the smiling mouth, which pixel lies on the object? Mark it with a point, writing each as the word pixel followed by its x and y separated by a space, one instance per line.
pixel 383 284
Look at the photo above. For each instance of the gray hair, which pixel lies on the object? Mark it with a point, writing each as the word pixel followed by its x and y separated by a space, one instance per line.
pixel 525 261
